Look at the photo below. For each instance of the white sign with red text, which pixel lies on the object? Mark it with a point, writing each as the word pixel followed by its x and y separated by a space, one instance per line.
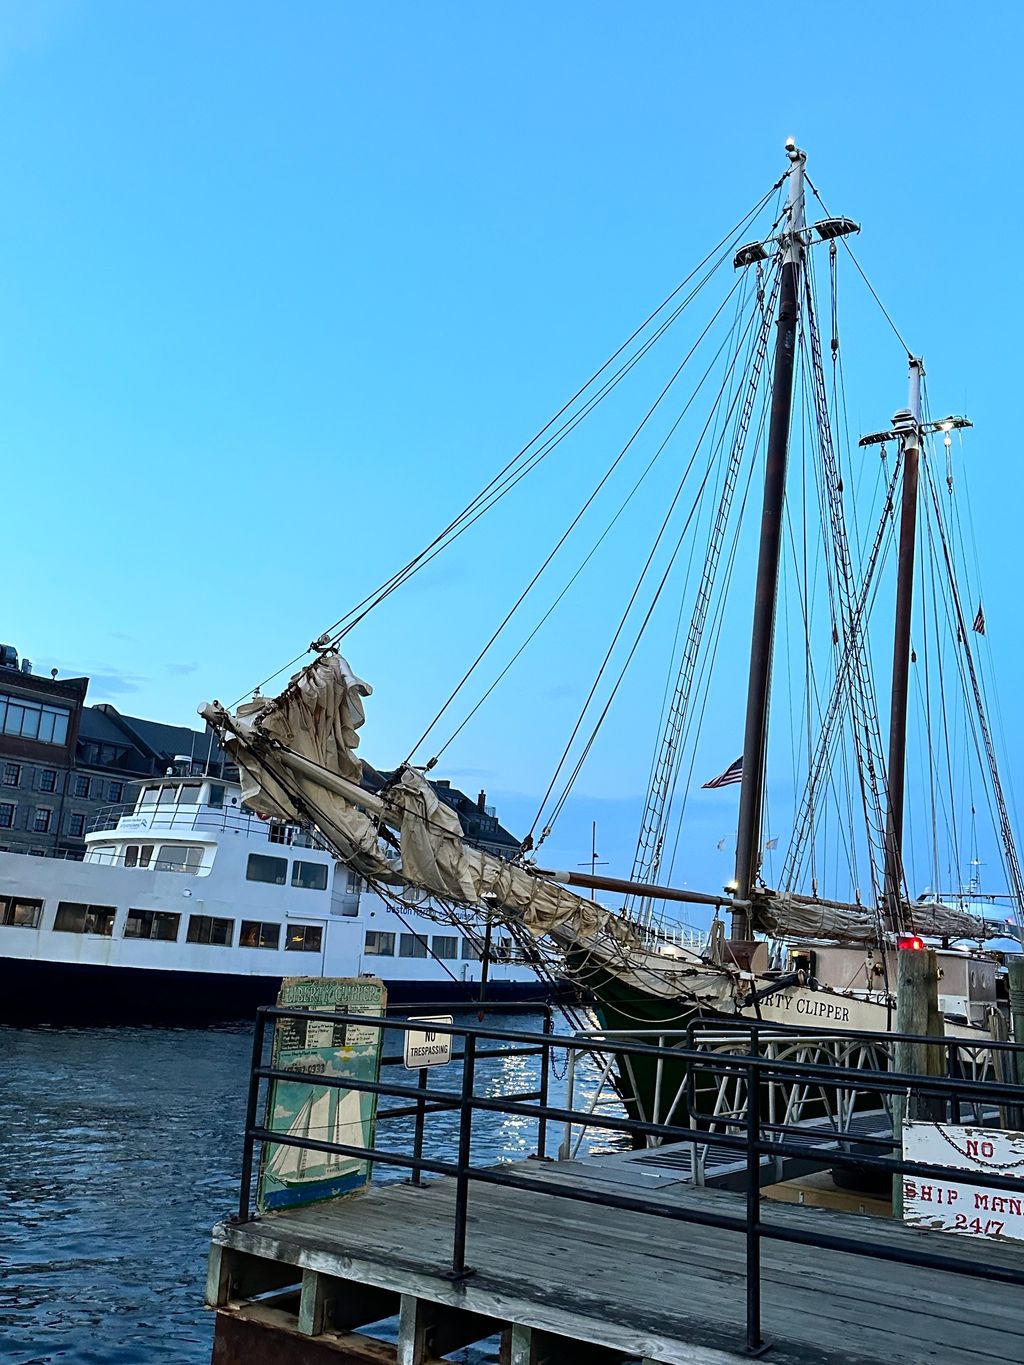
pixel 959 1206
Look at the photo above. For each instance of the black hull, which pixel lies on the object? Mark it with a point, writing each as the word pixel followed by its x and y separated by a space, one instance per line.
pixel 34 992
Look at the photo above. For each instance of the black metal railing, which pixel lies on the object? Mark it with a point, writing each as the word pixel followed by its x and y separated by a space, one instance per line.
pixel 747 1135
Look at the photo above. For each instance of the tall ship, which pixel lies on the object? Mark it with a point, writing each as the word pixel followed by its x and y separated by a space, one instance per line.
pixel 189 907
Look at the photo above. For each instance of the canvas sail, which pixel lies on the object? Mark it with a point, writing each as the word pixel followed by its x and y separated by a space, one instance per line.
pixel 297 754
pixel 787 915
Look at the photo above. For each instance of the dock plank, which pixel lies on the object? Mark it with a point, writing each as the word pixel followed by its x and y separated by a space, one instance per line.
pixel 661 1289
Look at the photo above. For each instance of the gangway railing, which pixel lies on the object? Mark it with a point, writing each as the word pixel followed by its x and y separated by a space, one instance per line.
pixel 749 1133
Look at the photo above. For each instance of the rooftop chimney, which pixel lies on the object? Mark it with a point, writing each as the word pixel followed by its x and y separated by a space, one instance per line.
pixel 481 802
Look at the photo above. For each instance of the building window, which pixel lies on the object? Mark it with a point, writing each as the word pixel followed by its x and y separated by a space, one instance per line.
pixel 81 785
pixel 470 951
pixel 76 824
pixel 41 820
pixel 138 855
pixel 23 913
pixel 412 945
pixel 313 876
pixel 179 858
pixel 256 934
pixel 260 868
pixel 379 943
pixel 12 774
pixel 7 809
pixel 159 924
pixel 209 929
pixel 29 720
pixel 117 791
pixel 304 938
pixel 445 946
pixel 48 779
pixel 74 918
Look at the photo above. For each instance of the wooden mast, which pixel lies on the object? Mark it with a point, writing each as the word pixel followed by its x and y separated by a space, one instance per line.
pixel 908 425
pixel 748 836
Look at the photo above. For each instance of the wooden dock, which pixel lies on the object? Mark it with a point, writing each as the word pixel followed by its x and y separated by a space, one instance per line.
pixel 567 1283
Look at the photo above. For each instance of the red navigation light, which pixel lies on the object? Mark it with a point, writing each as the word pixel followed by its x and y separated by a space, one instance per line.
pixel 910 942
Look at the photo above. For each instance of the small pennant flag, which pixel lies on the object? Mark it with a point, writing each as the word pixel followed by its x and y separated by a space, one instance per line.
pixel 734 773
pixel 979 621
pixel 772 843
pixel 721 845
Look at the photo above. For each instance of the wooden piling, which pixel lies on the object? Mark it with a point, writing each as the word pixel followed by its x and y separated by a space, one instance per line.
pixel 917 1012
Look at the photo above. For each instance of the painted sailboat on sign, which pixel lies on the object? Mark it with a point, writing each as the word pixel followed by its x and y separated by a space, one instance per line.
pixel 833 545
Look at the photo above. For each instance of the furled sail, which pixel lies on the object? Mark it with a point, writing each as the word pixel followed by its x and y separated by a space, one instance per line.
pixel 786 915
pixel 297 755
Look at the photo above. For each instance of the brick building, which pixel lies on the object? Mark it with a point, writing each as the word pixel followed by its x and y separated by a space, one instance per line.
pixel 62 762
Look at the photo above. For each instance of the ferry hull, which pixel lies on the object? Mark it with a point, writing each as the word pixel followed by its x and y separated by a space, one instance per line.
pixel 41 992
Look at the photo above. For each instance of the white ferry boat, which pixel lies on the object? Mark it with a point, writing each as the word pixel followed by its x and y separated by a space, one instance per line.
pixel 189 907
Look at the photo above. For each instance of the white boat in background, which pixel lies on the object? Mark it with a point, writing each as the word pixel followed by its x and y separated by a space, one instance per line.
pixel 189 907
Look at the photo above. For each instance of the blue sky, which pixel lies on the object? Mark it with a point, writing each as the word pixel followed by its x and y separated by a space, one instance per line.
pixel 281 286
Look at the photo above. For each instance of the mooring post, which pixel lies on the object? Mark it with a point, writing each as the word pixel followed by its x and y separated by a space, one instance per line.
pixel 1015 971
pixel 917 982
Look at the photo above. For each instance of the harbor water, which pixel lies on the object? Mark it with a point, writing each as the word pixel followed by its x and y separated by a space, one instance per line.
pixel 121 1147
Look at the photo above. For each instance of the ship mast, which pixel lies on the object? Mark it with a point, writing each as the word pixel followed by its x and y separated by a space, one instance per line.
pixel 908 425
pixel 748 837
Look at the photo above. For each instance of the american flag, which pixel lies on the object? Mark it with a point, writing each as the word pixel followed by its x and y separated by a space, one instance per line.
pixel 979 621
pixel 734 773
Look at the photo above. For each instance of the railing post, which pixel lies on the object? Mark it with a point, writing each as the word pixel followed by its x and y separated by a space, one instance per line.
pixel 755 1344
pixel 545 1062
pixel 421 1116
pixel 955 1071
pixel 245 1186
pixel 458 1269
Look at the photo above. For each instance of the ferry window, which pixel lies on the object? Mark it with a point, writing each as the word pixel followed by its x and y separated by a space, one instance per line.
pixel 412 945
pixel 41 819
pixel 217 795
pixel 379 943
pixel 179 858
pixel 48 779
pixel 209 929
pixel 117 791
pixel 190 794
pixel 131 855
pixel 149 795
pixel 12 774
pixel 279 833
pixel 304 938
pixel 76 824
pixel 313 876
pixel 260 868
pixel 75 918
pixel 353 882
pixel 145 855
pixel 159 924
pixel 7 809
pixel 445 946
pixel 471 951
pixel 23 913
pixel 258 935
pixel 168 796
pixel 80 787
pixel 102 853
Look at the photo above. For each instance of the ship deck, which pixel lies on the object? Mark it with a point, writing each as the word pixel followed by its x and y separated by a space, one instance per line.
pixel 565 1281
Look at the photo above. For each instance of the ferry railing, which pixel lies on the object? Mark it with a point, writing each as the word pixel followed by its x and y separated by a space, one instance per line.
pixel 750 1136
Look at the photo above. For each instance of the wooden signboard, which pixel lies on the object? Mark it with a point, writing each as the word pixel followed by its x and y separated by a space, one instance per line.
pixel 957 1205
pixel 291 1176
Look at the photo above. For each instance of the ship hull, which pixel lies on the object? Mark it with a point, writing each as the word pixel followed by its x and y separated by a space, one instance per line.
pixel 41 992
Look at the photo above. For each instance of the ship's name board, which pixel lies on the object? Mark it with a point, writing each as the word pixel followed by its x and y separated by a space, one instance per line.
pixel 426 1046
pixel 957 1205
